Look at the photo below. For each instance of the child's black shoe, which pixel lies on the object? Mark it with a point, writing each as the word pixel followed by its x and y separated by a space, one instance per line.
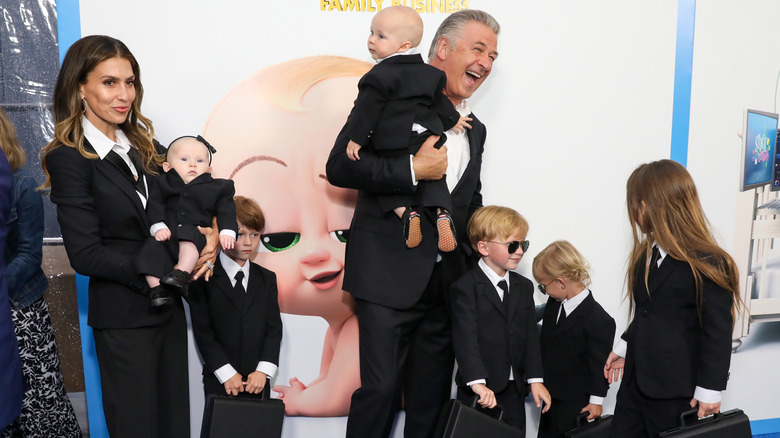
pixel 446 229
pixel 412 229
pixel 177 281
pixel 159 298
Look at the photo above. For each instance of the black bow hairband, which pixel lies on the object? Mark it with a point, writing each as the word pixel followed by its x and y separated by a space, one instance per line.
pixel 211 148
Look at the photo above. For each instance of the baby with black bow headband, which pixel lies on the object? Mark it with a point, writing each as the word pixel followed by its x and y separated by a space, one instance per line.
pixel 184 198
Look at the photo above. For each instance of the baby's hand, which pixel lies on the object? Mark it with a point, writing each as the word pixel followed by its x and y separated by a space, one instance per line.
pixel 162 235
pixel 352 150
pixel 289 394
pixel 462 124
pixel 227 242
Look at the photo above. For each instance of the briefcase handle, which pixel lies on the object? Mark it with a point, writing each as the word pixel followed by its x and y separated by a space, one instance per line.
pixel 498 406
pixel 582 419
pixel 685 418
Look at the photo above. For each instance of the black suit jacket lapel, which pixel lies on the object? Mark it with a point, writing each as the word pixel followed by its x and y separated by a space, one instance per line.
pixel 225 286
pixel 471 134
pixel 253 287
pixel 114 168
pixel 489 291
pixel 578 314
pixel 661 274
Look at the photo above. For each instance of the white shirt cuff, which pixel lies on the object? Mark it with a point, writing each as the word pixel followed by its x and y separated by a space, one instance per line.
pixel 225 372
pixel 596 400
pixel 536 380
pixel 230 233
pixel 266 368
pixel 157 227
pixel 706 395
pixel 620 348
pixel 411 166
pixel 474 382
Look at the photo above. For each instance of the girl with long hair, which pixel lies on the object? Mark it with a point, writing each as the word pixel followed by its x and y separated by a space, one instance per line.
pixel 683 294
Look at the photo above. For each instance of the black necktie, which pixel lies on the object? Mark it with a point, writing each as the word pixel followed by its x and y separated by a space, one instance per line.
pixel 562 316
pixel 504 287
pixel 135 158
pixel 239 286
pixel 654 261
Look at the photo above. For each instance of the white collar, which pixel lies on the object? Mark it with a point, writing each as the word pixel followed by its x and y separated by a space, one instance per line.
pixel 102 144
pixel 572 304
pixel 491 274
pixel 412 51
pixel 661 253
pixel 231 267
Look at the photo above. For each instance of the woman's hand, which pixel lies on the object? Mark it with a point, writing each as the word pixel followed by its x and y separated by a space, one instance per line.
pixel 205 264
pixel 613 369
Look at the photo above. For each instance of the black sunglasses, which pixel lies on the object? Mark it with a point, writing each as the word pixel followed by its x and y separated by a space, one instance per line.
pixel 543 287
pixel 513 245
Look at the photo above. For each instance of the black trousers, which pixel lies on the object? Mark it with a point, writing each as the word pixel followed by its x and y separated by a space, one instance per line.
pixel 144 379
pixel 405 352
pixel 560 418
pixel 637 415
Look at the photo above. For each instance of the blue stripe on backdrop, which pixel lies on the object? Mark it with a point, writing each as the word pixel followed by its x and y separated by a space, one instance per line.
pixel 683 67
pixel 68 31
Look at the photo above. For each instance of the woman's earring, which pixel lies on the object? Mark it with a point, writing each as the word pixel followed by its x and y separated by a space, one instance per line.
pixel 83 105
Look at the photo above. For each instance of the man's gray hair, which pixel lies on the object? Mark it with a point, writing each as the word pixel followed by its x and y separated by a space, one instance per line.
pixel 452 27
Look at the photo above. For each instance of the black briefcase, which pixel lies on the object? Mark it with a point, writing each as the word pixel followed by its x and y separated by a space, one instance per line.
pixel 242 417
pixel 729 424
pixel 459 420
pixel 598 428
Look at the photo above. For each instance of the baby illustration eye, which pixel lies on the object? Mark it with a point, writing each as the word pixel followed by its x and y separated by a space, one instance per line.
pixel 276 242
pixel 340 235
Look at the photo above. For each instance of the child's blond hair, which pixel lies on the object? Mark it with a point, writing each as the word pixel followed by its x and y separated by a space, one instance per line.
pixel 495 222
pixel 562 260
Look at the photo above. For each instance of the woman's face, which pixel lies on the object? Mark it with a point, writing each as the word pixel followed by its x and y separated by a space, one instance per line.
pixel 280 156
pixel 109 94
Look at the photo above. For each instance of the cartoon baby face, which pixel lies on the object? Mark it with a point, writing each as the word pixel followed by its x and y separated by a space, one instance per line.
pixel 277 156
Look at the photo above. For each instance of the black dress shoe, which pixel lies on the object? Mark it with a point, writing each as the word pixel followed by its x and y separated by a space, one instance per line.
pixel 176 281
pixel 159 298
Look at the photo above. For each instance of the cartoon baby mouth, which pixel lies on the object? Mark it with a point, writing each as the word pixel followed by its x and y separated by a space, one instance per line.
pixel 325 277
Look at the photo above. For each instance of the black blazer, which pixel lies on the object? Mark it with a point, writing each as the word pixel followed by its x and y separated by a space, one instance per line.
pixel 241 330
pixel 196 203
pixel 574 351
pixel 393 95
pixel 375 247
pixel 488 339
pixel 103 225
pixel 670 348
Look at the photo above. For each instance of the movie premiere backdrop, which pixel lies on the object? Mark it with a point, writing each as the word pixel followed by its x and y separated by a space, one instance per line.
pixel 581 93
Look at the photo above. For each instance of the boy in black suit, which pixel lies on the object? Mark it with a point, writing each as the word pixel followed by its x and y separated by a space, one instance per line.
pixel 184 199
pixel 577 336
pixel 493 319
pixel 399 104
pixel 235 315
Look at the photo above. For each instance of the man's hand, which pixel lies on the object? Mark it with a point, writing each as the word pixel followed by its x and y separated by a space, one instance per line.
pixel 613 369
pixel 487 399
pixel 430 163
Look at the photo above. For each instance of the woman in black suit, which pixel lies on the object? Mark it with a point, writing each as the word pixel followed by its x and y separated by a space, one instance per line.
pixel 100 165
pixel 683 294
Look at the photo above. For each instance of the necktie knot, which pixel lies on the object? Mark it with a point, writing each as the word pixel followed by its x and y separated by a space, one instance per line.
pixel 503 286
pixel 239 276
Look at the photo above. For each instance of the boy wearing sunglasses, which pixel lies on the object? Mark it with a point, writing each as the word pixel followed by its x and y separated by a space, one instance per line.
pixel 494 322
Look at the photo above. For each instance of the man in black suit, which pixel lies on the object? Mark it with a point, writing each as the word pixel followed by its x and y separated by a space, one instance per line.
pixel 235 315
pixel 405 342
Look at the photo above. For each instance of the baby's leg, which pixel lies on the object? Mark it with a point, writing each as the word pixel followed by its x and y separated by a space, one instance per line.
pixel 188 256
pixel 399 211
pixel 152 281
